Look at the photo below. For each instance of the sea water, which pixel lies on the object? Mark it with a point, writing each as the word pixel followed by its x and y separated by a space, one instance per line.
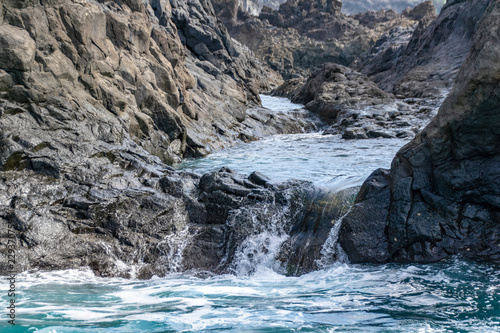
pixel 326 160
pixel 450 296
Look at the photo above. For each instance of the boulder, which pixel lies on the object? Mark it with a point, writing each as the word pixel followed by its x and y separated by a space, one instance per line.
pixel 17 48
pixel 427 66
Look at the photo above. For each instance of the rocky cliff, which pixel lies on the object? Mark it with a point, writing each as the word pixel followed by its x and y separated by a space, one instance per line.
pixel 96 99
pixel 441 196
pixel 168 70
pixel 302 35
pixel 425 65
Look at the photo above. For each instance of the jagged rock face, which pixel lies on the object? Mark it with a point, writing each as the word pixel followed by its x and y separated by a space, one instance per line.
pixel 95 100
pixel 355 106
pixel 148 63
pixel 441 196
pixel 253 7
pixel 336 87
pixel 135 215
pixel 303 35
pixel 429 63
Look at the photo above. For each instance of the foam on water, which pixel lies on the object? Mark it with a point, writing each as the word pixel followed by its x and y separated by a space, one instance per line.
pixel 444 297
pixel 331 251
pixel 327 160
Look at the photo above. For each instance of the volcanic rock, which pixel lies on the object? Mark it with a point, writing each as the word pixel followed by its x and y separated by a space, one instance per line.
pixel 303 35
pixel 96 100
pixel 441 197
pixel 427 66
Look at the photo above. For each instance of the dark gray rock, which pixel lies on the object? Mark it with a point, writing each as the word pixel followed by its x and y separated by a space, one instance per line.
pixel 304 250
pixel 335 87
pixel 96 100
pixel 356 107
pixel 301 35
pixel 441 195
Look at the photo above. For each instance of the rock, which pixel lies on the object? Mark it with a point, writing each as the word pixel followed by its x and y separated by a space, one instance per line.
pixel 17 49
pixel 97 99
pixel 258 178
pixel 302 35
pixel 428 64
pixel 254 7
pixel 441 198
pixel 355 107
pixel 333 88
pixel 304 250
pixel 131 59
pixel 421 11
pixel 362 6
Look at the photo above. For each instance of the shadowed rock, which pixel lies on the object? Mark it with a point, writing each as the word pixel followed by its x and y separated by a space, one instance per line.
pixel 441 197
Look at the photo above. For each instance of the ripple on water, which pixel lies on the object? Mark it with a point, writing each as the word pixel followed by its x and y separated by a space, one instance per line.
pixel 326 160
pixel 451 296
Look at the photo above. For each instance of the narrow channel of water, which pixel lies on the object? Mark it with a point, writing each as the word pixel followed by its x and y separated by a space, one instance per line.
pixel 451 296
pixel 326 160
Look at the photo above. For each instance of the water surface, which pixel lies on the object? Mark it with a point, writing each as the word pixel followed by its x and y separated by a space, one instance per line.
pixel 326 160
pixel 452 296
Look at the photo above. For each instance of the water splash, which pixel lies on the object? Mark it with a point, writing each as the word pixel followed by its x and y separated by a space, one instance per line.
pixel 172 248
pixel 331 251
pixel 260 249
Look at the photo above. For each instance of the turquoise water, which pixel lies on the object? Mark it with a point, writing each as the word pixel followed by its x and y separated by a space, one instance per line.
pixel 450 296
pixel 326 160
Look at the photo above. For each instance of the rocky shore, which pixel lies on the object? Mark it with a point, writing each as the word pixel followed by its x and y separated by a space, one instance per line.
pixel 440 198
pixel 301 35
pixel 98 99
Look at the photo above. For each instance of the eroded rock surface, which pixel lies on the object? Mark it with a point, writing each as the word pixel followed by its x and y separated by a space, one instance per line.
pixel 96 100
pixel 427 66
pixel 441 196
pixel 169 70
pixel 356 107
pixel 302 35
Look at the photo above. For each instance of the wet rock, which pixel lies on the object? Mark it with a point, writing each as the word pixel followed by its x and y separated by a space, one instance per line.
pixel 96 100
pixel 440 197
pixel 305 250
pixel 355 107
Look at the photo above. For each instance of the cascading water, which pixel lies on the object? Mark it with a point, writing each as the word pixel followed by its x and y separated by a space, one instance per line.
pixel 331 251
pixel 450 296
pixel 172 248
